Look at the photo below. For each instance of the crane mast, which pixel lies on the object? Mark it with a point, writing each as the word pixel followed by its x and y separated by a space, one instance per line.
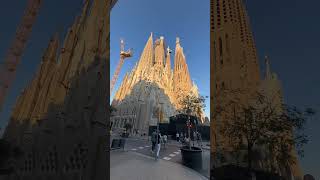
pixel 123 55
pixel 13 56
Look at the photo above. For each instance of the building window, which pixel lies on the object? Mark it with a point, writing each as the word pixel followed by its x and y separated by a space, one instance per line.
pixel 227 43
pixel 220 47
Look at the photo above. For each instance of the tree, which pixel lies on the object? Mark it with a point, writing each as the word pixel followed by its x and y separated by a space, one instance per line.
pixel 193 103
pixel 276 128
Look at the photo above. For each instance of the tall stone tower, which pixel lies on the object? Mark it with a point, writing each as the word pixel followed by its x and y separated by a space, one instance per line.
pixel 181 77
pixel 272 90
pixel 234 63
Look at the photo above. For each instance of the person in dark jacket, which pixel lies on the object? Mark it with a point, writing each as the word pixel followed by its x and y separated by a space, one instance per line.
pixel 153 140
pixel 158 144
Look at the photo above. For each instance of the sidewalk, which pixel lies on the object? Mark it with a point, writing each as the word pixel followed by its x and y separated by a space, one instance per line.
pixel 134 166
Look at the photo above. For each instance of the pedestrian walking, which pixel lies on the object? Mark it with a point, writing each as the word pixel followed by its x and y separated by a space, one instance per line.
pixel 165 139
pixel 181 137
pixel 153 140
pixel 177 137
pixel 158 145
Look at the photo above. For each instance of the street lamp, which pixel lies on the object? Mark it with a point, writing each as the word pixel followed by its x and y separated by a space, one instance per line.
pixel 140 116
pixel 189 123
pixel 159 110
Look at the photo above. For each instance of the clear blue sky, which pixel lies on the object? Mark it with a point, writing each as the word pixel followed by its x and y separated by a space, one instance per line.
pixel 187 19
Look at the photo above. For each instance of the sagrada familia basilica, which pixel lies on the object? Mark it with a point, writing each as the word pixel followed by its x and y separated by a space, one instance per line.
pixel 153 87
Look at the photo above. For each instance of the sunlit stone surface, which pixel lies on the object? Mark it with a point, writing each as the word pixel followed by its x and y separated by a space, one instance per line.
pixel 153 85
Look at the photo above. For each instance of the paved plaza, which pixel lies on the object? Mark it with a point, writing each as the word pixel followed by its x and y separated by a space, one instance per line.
pixel 137 162
pixel 135 166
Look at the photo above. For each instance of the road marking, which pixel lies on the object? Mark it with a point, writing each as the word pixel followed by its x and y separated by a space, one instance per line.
pixel 141 147
pixel 133 149
pixel 147 146
pixel 172 155
pixel 176 152
pixel 179 150
pixel 166 158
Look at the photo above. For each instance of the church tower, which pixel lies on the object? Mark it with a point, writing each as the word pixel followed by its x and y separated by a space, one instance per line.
pixel 181 76
pixel 159 52
pixel 234 61
pixel 168 60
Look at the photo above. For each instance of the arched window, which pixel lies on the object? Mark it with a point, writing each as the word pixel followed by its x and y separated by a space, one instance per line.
pixel 227 43
pixel 220 47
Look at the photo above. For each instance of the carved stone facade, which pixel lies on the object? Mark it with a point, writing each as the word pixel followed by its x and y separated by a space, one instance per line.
pixel 152 87
pixel 60 119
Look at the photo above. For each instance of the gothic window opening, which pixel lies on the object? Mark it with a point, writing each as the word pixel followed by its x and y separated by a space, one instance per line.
pixel 227 43
pixel 220 47
pixel 78 159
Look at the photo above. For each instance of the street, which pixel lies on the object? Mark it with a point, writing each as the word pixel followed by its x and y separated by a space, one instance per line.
pixel 170 152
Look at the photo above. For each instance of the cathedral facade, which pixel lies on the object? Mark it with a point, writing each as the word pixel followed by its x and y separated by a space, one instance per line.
pixel 153 90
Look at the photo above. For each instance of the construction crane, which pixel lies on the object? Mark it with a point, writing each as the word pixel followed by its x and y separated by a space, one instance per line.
pixel 123 55
pixel 13 56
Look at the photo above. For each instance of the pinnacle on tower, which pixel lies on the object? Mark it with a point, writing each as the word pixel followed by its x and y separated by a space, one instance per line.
pixel 168 61
pixel 268 69
pixel 177 40
pixel 146 58
pixel 181 72
pixel 159 52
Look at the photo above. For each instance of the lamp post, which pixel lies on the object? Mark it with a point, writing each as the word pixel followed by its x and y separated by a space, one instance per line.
pixel 189 123
pixel 159 110
pixel 140 116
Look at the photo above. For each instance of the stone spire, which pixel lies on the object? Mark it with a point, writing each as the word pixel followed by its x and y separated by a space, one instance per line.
pixel 146 58
pixel 181 75
pixel 268 74
pixel 41 105
pixel 159 52
pixel 168 60
pixel 181 72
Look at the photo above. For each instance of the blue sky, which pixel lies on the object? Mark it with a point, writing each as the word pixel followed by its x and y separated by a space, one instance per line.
pixel 187 19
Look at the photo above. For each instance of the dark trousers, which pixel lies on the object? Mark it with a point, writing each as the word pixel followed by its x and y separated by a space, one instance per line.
pixel 153 146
